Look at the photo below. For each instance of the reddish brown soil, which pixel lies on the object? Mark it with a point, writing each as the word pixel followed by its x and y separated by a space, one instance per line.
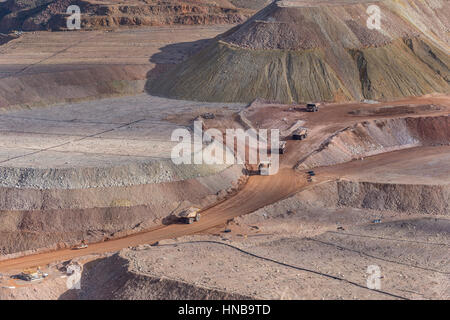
pixel 258 192
pixel 112 14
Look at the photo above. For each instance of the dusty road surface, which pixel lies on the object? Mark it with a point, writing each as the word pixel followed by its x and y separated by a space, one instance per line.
pixel 258 192
pixel 262 191
pixel 31 15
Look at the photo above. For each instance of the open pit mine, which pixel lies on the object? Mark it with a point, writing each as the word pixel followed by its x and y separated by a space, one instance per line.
pixel 352 201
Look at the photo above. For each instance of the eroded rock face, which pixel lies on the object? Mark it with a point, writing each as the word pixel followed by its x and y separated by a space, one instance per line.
pixel 50 14
pixel 305 51
pixel 5 38
pixel 373 137
pixel 32 219
pixel 97 284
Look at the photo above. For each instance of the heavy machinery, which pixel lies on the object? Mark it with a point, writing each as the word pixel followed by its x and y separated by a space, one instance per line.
pixel 311 175
pixel 189 215
pixel 312 107
pixel 33 274
pixel 300 134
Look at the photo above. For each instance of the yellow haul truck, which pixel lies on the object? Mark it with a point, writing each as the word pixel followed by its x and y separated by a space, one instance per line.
pixel 189 215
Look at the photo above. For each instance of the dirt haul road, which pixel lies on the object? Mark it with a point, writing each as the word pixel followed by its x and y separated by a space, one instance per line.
pixel 259 191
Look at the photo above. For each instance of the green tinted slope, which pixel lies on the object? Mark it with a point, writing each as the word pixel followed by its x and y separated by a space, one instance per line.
pixel 303 50
pixel 398 70
pixel 224 73
pixel 231 74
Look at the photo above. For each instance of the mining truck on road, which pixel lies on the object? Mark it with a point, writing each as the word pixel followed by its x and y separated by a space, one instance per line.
pixel 189 215
pixel 312 107
pixel 300 134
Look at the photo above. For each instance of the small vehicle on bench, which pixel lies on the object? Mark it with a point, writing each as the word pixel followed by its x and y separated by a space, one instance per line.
pixel 81 246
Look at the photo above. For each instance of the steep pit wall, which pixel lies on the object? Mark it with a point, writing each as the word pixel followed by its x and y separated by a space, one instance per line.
pixel 51 14
pixel 301 51
pixel 28 90
pixel 130 284
pixel 34 219
pixel 425 199
pixel 84 177
pixel 374 137
pixel 324 206
pixel 405 198
pixel 4 38
pixel 115 277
